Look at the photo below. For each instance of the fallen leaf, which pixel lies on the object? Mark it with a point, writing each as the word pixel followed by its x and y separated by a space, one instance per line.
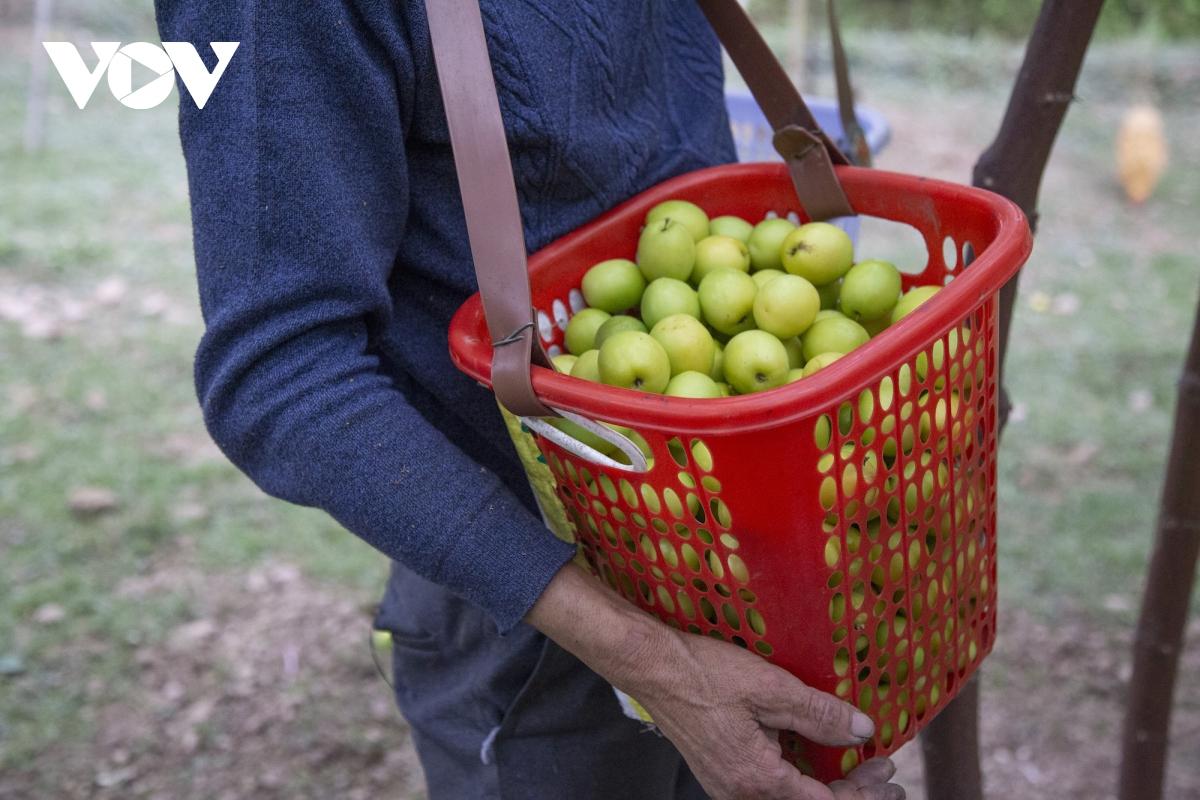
pixel 96 399
pixel 41 328
pixel 154 304
pixel 90 501
pixel 108 778
pixel 1140 400
pixel 111 291
pixel 1065 304
pixel 25 453
pixel 187 511
pixel 49 614
pixel 191 634
pixel 1117 603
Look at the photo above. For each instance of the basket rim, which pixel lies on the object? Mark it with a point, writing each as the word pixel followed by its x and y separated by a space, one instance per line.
pixel 972 287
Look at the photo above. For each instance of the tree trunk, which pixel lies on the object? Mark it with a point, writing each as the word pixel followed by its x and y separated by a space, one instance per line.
pixel 1169 583
pixel 1014 163
pixel 1012 166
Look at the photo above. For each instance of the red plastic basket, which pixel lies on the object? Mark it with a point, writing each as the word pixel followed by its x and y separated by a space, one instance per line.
pixel 842 526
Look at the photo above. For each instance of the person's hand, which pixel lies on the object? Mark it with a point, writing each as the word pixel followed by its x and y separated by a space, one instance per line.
pixel 721 706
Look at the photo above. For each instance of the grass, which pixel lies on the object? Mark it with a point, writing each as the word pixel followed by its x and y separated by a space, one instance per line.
pixel 109 403
pixel 1098 339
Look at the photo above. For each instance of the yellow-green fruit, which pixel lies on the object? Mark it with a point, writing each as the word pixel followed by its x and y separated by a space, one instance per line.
pixel 764 275
pixel 786 306
pixel 755 361
pixel 818 252
pixel 587 366
pixel 564 362
pixel 766 243
pixel 736 227
pixel 689 214
pixel 717 373
pixel 689 345
pixel 828 313
pixel 819 362
pixel 795 351
pixel 726 391
pixel 795 374
pixel 635 360
pixel 667 296
pixel 727 300
pixel 613 285
pixel 581 330
pixel 719 252
pixel 876 326
pixel 616 324
pixel 911 300
pixel 870 290
pixel 829 294
pixel 833 335
pixel 666 250
pixel 693 384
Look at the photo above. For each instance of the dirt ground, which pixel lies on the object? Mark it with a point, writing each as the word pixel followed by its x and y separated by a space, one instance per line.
pixel 269 692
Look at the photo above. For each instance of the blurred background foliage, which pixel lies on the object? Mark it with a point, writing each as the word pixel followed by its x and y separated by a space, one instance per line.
pixel 1173 19
pixel 1009 18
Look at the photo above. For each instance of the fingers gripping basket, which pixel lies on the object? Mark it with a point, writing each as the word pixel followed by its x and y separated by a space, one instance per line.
pixel 843 526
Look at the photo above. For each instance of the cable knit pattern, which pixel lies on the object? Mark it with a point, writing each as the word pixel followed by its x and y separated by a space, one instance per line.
pixel 331 252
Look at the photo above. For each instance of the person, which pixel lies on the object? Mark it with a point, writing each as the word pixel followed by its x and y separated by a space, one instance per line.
pixel 331 254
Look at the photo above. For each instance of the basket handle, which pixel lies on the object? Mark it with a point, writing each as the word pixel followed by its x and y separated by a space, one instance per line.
pixel 488 189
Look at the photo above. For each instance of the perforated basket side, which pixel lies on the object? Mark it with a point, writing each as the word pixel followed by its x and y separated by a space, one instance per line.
pixel 843 526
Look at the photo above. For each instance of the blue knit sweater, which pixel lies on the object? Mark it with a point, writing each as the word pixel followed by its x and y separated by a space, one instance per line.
pixel 331 251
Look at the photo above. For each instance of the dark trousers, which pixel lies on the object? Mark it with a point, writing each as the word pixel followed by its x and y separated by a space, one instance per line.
pixel 514 717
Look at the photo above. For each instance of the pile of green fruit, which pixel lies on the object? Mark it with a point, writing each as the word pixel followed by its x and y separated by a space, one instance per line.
pixel 713 308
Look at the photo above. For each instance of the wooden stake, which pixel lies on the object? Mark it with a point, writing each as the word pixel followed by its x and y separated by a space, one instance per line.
pixel 35 101
pixel 1012 166
pixel 797 43
pixel 1169 584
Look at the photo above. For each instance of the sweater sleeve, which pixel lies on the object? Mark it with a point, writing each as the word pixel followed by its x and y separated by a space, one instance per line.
pixel 299 191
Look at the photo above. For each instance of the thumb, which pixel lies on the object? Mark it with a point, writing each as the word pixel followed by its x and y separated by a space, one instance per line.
pixel 787 703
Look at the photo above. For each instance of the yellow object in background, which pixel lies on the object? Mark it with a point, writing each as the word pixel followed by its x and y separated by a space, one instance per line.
pixel 1141 152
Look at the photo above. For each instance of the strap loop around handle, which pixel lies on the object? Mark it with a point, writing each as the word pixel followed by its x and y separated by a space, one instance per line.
pixel 811 167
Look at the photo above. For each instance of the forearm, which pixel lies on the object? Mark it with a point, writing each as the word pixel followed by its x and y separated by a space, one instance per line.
pixel 599 627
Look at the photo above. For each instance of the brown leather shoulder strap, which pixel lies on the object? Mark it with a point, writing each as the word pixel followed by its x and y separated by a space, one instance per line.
pixel 489 196
pixel 810 153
